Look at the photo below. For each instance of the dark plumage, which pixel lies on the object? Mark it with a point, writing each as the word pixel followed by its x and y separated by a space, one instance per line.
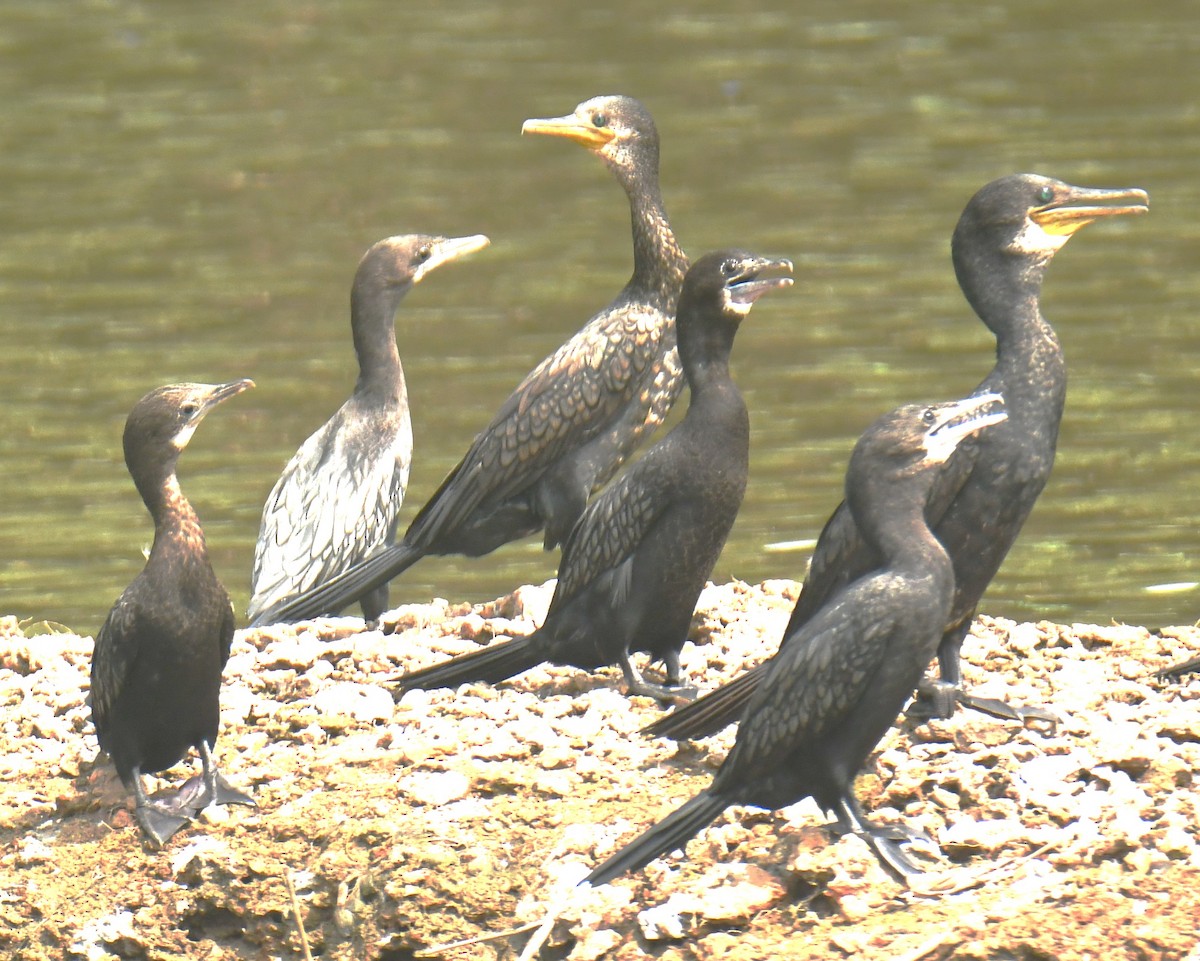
pixel 636 562
pixel 1004 241
pixel 156 670
pixel 839 680
pixel 338 497
pixel 577 416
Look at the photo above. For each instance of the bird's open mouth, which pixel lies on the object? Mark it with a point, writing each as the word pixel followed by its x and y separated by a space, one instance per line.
pixel 747 288
pixel 1066 214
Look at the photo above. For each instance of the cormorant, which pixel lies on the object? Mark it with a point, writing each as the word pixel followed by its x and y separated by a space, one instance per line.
pixel 575 418
pixel 839 680
pixel 338 497
pixel 1005 238
pixel 637 560
pixel 156 669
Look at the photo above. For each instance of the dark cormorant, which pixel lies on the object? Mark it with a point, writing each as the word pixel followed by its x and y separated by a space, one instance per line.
pixel 637 560
pixel 338 497
pixel 577 416
pixel 1004 240
pixel 840 678
pixel 156 669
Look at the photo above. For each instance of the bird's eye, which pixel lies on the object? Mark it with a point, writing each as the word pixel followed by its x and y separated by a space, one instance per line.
pixel 188 410
pixel 424 253
pixel 929 416
pixel 1045 194
pixel 729 268
pixel 600 120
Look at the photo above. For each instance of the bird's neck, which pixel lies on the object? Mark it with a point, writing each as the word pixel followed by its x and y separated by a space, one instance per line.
pixel 704 355
pixel 658 262
pixel 890 512
pixel 176 527
pixel 1005 291
pixel 373 326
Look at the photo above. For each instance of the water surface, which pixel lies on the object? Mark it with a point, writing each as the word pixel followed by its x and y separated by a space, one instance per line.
pixel 186 197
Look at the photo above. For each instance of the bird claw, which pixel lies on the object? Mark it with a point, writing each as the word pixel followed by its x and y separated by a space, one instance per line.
pixel 940 699
pixel 195 795
pixel 159 822
pixel 663 693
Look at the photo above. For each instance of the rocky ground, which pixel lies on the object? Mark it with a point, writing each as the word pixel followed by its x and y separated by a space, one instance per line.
pixel 389 831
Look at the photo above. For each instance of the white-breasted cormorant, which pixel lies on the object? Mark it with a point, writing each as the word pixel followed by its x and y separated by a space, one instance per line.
pixel 636 562
pixel 339 495
pixel 1005 238
pixel 578 415
pixel 156 668
pixel 839 680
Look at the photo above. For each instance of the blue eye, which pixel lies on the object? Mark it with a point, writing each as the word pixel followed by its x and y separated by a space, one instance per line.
pixel 600 119
pixel 1045 194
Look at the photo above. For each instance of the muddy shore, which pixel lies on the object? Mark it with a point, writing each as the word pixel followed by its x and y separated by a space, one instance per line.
pixel 401 827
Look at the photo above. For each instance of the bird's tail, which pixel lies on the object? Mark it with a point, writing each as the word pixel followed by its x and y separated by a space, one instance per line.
pixel 673 831
pixel 491 664
pixel 707 715
pixel 342 591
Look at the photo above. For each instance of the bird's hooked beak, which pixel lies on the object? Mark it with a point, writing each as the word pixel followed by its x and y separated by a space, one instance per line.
pixel 448 249
pixel 1079 206
pixel 572 127
pixel 204 398
pixel 954 422
pixel 748 284
pixel 222 392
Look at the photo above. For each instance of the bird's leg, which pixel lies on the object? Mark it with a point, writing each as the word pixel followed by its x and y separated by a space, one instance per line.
pixel 213 788
pixel 373 604
pixel 679 690
pixel 157 821
pixel 940 698
pixel 887 842
pixel 636 684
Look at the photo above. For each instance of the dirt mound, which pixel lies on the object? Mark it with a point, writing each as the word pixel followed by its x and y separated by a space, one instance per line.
pixel 457 814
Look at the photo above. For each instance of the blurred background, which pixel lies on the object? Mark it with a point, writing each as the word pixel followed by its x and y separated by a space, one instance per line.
pixel 187 189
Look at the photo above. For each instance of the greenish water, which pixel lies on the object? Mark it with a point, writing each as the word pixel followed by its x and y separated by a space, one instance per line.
pixel 187 189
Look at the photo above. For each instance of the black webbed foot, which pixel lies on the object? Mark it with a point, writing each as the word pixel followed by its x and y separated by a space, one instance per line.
pixel 888 842
pixel 670 693
pixel 159 822
pixel 210 787
pixel 940 699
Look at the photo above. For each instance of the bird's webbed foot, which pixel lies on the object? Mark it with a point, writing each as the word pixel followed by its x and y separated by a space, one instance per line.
pixel 210 787
pixel 940 699
pixel 888 842
pixel 159 820
pixel 669 693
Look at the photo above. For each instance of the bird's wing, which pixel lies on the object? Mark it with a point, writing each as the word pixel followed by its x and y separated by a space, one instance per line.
pixel 567 400
pixel 818 676
pixel 329 509
pixel 113 658
pixel 609 531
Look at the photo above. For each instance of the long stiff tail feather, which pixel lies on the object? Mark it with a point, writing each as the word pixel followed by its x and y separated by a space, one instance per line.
pixel 342 591
pixel 1178 670
pixel 491 664
pixel 707 715
pixel 673 831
